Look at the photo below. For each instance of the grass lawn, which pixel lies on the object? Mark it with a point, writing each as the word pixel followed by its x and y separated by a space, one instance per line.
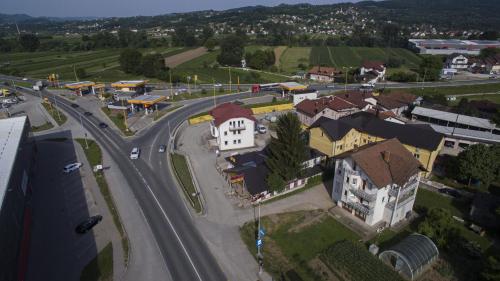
pixel 94 156
pixel 294 239
pixel 454 90
pixel 42 127
pixel 429 199
pixel 100 267
pixel 118 120
pixel 58 116
pixel 184 176
pixel 158 115
pixel 292 57
pixel 493 98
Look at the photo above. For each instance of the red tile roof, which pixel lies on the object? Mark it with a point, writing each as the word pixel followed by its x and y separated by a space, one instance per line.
pixel 402 97
pixel 312 107
pixel 227 111
pixel 382 114
pixel 376 65
pixel 388 102
pixel 357 98
pixel 323 70
pixel 387 162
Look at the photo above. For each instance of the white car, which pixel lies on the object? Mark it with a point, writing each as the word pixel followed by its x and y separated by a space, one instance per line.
pixel 71 167
pixel 25 79
pixel 218 85
pixel 134 154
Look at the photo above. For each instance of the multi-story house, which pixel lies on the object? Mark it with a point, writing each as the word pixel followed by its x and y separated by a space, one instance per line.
pixel 374 68
pixel 377 183
pixel 331 107
pixel 233 126
pixel 323 74
pixel 335 137
pixel 457 61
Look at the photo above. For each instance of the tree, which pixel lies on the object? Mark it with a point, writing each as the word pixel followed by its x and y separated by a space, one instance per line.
pixel 491 270
pixel 440 226
pixel 206 34
pixel 490 35
pixel 152 65
pixel 430 68
pixel 287 152
pixel 81 73
pixel 488 52
pixel 231 50
pixel 29 42
pixel 210 44
pixel 275 182
pixel 478 162
pixel 130 61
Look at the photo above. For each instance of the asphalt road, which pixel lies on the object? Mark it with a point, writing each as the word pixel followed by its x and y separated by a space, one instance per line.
pixel 182 246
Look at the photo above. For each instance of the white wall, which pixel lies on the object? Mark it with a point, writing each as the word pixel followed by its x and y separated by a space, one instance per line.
pixel 321 78
pixel 230 137
pixel 297 98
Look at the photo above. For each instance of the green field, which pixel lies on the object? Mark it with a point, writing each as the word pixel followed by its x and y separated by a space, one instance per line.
pixel 207 69
pixel 100 65
pixel 292 57
pixel 455 90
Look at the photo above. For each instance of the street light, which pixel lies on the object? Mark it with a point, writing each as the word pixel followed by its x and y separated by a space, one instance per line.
pixel 345 82
pixel 85 133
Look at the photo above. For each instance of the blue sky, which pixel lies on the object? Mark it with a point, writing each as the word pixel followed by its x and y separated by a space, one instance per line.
pixel 108 8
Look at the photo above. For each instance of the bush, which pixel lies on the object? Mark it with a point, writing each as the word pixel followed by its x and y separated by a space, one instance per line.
pixel 402 76
pixel 203 91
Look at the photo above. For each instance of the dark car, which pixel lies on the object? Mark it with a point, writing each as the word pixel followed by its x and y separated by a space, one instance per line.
pixel 88 224
pixel 103 125
pixel 74 105
pixel 450 192
pixel 86 113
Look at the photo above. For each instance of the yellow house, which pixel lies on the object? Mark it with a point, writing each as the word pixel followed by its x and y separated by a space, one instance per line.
pixel 334 137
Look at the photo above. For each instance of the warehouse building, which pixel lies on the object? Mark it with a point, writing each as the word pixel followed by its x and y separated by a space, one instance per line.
pixel 451 46
pixel 17 152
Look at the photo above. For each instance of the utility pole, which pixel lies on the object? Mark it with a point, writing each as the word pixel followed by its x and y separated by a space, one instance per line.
pixel 230 82
pixel 170 76
pixel 81 123
pixel 215 104
pixel 125 117
pixel 259 244
pixel 74 71
pixel 423 79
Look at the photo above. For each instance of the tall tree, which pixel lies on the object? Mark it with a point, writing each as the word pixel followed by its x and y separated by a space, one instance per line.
pixel 430 68
pixel 29 42
pixel 440 227
pixel 287 152
pixel 152 65
pixel 131 61
pixel 231 50
pixel 210 44
pixel 478 162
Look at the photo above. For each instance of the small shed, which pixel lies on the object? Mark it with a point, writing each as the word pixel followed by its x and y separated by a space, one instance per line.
pixel 412 256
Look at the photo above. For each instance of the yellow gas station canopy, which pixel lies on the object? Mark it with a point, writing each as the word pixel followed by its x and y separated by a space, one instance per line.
pixel 146 100
pixel 129 84
pixel 79 85
pixel 292 86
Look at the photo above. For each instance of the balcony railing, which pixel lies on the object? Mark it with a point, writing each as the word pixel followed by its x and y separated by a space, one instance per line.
pixel 237 127
pixel 363 194
pixel 408 187
pixel 353 173
pixel 360 207
pixel 401 201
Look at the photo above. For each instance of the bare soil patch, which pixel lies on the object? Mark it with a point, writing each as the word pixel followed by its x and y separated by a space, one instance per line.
pixel 183 57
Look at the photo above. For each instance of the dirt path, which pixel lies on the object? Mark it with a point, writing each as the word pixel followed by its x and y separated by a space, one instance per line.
pixel 183 57
pixel 278 52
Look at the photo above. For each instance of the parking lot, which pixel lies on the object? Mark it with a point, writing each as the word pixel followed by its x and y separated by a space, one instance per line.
pixel 60 202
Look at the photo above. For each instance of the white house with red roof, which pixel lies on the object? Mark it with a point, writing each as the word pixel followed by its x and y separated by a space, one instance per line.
pixel 373 71
pixel 233 126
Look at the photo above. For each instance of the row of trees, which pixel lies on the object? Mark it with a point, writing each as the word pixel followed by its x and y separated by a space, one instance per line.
pixel 151 65
pixel 260 59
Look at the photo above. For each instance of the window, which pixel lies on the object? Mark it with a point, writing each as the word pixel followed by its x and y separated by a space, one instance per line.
pixel 234 141
pixel 322 134
pixel 416 155
pixel 230 123
pixel 340 147
pixel 339 171
pixel 225 133
pixel 354 166
pixel 225 143
pixel 383 199
pixel 347 180
pixel 354 181
pixel 345 192
pixel 364 184
pixel 239 141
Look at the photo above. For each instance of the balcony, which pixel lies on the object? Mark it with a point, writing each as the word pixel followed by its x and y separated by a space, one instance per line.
pixel 352 172
pixel 237 127
pixel 363 194
pixel 360 207
pixel 408 187
pixel 402 201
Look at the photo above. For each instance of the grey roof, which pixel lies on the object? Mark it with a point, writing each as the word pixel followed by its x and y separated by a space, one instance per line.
pixel 11 131
pixel 416 251
pixel 453 117
pixel 455 42
pixel 467 134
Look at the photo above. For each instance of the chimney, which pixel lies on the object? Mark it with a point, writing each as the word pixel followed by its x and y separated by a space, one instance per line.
pixel 377 111
pixel 386 155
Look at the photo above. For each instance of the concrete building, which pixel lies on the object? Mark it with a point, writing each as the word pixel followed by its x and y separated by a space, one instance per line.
pixel 456 61
pixel 323 74
pixel 377 183
pixel 451 46
pixel 138 86
pixel 233 126
pixel 17 157
pixel 374 71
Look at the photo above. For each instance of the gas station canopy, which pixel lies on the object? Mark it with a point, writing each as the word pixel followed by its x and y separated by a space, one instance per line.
pixel 292 86
pixel 80 85
pixel 146 100
pixel 129 84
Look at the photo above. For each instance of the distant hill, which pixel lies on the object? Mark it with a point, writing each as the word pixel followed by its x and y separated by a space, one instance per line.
pixel 5 18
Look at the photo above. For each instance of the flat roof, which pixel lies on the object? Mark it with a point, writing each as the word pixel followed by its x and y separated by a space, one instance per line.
pixel 146 99
pixel 453 117
pixel 80 84
pixel 11 130
pixel 478 43
pixel 129 83
pixel 480 136
pixel 290 86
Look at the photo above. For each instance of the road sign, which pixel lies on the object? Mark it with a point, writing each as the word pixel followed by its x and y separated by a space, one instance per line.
pixel 262 232
pixel 259 243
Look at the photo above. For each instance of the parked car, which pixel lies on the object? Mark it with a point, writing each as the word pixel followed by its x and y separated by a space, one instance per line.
pixel 162 148
pixel 450 192
pixel 86 113
pixel 71 167
pixel 134 154
pixel 261 129
pixel 218 85
pixel 88 224
pixel 103 125
pixel 25 79
pixel 74 105
pixel 271 118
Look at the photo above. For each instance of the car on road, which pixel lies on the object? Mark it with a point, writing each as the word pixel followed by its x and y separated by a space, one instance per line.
pixel 134 154
pixel 71 167
pixel 450 192
pixel 330 86
pixel 25 79
pixel 86 113
pixel 74 105
pixel 218 85
pixel 88 224
pixel 162 148
pixel 261 129
pixel 493 77
pixel 103 125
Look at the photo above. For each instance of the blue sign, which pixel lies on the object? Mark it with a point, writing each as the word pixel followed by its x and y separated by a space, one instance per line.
pixel 259 243
pixel 262 232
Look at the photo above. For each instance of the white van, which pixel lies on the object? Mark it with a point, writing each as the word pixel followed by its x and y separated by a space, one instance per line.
pixel 134 154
